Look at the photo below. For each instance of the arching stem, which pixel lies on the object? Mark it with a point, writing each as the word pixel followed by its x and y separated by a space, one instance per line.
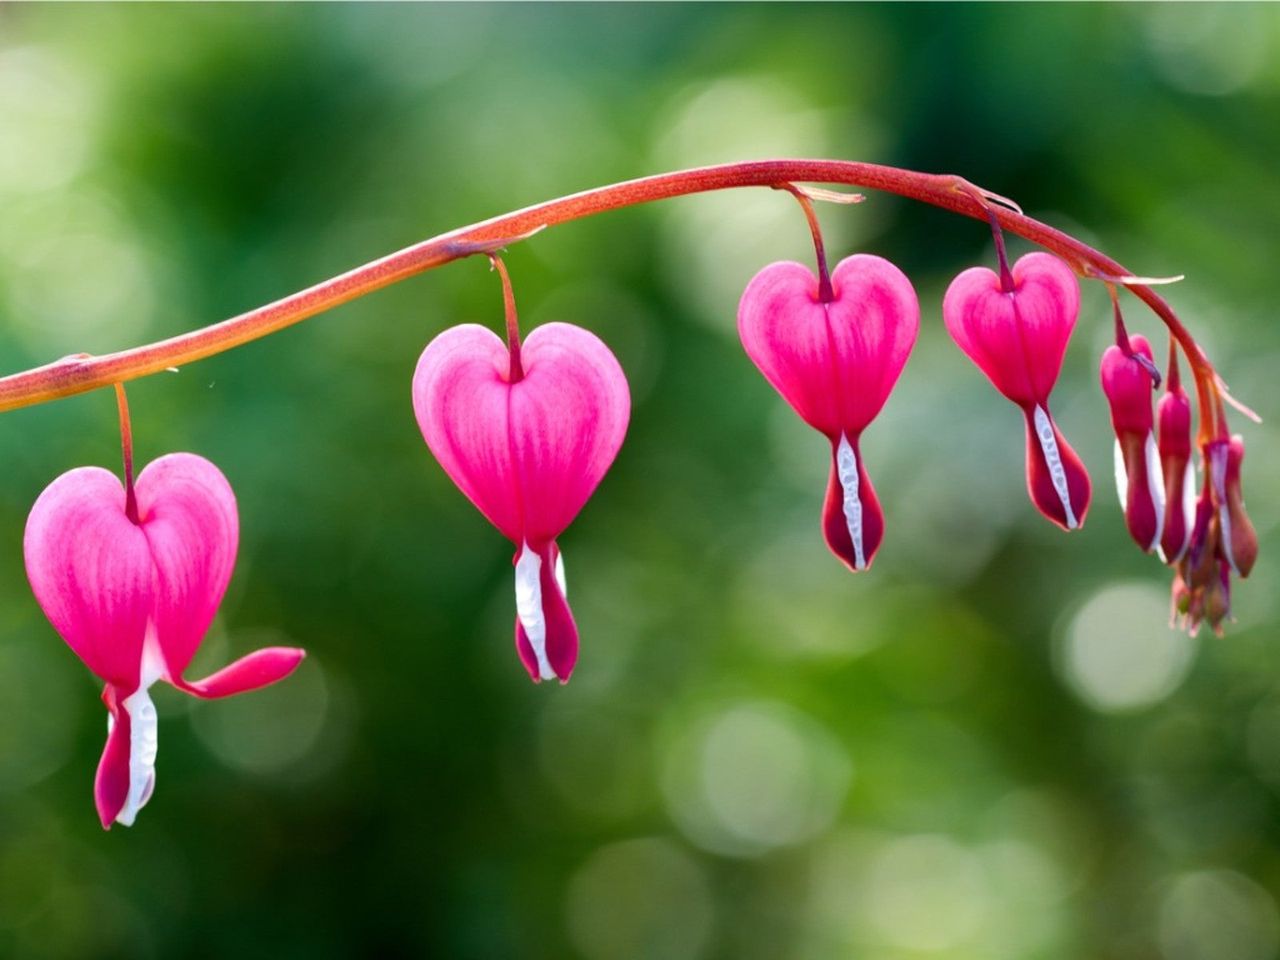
pixel 77 374
pixel 126 448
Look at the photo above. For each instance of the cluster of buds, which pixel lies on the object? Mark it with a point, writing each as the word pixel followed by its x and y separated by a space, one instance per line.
pixel 1206 538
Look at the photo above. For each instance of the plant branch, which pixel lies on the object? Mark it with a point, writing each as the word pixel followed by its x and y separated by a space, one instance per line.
pixel 77 374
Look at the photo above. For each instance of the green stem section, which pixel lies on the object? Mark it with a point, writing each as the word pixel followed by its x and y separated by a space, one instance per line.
pixel 77 374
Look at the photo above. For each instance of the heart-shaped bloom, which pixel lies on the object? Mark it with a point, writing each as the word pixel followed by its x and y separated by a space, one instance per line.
pixel 835 362
pixel 134 599
pixel 1173 439
pixel 1018 337
pixel 528 453
pixel 1128 385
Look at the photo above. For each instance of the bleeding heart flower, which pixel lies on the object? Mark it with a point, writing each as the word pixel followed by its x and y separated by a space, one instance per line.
pixel 133 599
pixel 1018 337
pixel 1239 539
pixel 1128 385
pixel 836 363
pixel 1173 438
pixel 527 450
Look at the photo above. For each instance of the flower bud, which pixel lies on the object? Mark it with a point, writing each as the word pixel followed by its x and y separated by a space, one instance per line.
pixel 1128 385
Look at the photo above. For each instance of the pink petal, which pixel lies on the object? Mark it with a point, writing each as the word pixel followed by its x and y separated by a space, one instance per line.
pixel 188 514
pixel 559 631
pixel 1056 478
pixel 837 362
pixel 852 521
pixel 527 454
pixel 111 784
pixel 461 399
pixel 1017 339
pixel 258 669
pixel 1128 387
pixel 91 571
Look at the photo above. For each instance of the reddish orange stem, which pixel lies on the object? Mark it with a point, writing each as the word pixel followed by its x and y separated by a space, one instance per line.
pixel 78 374
pixel 126 450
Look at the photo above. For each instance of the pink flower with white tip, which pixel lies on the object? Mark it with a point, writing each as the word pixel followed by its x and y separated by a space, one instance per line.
pixel 1128 385
pixel 835 362
pixel 527 432
pixel 1173 440
pixel 131 577
pixel 1016 330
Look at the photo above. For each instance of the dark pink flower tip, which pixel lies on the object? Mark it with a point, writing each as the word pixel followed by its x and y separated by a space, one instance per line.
pixel 835 363
pixel 1239 539
pixel 546 635
pixel 852 521
pixel 135 600
pixel 1128 386
pixel 1018 338
pixel 1056 478
pixel 528 454
pixel 1173 439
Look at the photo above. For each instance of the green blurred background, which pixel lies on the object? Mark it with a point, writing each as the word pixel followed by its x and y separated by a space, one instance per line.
pixel 991 746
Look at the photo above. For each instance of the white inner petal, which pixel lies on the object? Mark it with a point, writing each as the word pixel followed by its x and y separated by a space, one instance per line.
pixel 529 608
pixel 1188 510
pixel 1122 477
pixel 1155 484
pixel 564 590
pixel 847 471
pixel 1052 457
pixel 143 731
pixel 1224 525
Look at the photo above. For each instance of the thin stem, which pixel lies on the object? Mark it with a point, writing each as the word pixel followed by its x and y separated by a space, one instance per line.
pixel 126 448
pixel 77 374
pixel 515 372
pixel 825 293
pixel 1122 340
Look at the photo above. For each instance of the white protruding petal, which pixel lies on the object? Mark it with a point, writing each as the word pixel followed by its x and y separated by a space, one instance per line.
pixel 1224 530
pixel 564 590
pixel 1155 484
pixel 1052 457
pixel 529 608
pixel 144 731
pixel 847 472
pixel 143 745
pixel 1122 477
pixel 1188 509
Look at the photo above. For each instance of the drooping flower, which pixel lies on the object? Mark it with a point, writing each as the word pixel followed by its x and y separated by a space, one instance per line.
pixel 1128 385
pixel 1239 539
pixel 1173 439
pixel 835 363
pixel 133 599
pixel 1223 541
pixel 528 450
pixel 1018 337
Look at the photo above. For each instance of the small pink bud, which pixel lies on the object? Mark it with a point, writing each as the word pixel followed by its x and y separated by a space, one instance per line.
pixel 134 600
pixel 1239 539
pixel 836 363
pixel 1018 339
pixel 1128 386
pixel 1174 443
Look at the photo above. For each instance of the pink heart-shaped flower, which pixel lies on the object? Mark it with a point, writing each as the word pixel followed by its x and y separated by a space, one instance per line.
pixel 134 600
pixel 1018 337
pixel 527 453
pixel 836 363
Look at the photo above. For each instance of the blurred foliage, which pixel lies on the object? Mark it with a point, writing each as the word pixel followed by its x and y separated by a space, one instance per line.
pixel 990 746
